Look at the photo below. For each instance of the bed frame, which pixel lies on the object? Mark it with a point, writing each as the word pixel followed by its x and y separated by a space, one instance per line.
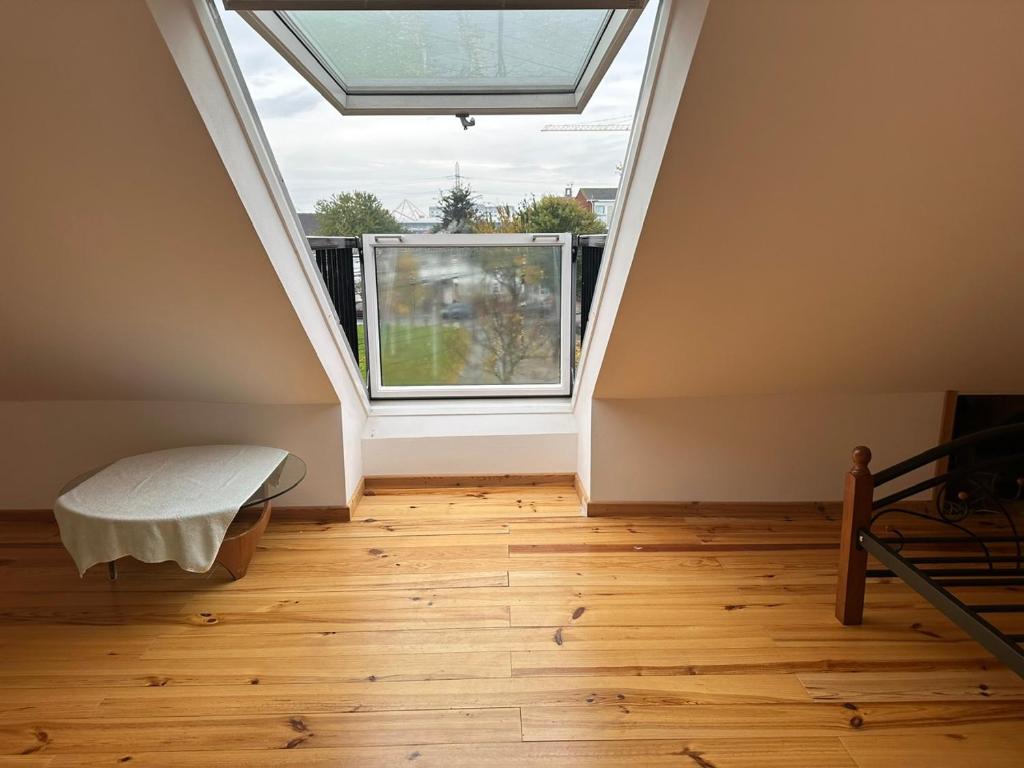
pixel 970 485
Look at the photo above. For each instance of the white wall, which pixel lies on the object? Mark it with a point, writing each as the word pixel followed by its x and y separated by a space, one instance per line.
pixel 353 420
pixel 757 448
pixel 48 443
pixel 673 43
pixel 478 443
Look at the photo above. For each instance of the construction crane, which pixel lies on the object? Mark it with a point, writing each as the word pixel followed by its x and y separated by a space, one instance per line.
pixel 610 124
pixel 587 127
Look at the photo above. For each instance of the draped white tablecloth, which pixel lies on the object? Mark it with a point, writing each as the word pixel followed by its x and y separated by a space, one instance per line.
pixel 167 505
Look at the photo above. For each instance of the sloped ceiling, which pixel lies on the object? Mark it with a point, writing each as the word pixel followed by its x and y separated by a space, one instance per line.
pixel 130 270
pixel 841 207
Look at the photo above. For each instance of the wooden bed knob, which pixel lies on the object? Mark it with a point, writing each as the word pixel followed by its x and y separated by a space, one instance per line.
pixel 861 458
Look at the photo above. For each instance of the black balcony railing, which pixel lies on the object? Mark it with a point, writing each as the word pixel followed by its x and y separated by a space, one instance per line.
pixel 589 250
pixel 340 263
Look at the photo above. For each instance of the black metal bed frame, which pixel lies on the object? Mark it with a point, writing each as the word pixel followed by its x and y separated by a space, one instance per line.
pixel 969 488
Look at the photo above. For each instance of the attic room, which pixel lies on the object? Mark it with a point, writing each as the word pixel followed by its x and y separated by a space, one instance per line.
pixel 729 473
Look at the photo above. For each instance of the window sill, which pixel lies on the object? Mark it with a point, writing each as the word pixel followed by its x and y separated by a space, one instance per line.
pixel 425 419
pixel 497 406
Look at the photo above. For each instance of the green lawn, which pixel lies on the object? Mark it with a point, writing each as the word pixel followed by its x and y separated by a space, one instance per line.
pixel 361 354
pixel 410 358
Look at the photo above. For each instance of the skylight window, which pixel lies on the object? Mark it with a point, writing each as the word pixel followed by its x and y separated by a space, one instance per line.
pixel 435 57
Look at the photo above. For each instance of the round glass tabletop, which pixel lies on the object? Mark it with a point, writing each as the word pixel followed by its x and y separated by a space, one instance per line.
pixel 289 473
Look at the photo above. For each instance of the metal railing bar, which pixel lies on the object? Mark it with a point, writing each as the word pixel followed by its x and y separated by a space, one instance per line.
pixel 948 540
pixel 964 616
pixel 924 485
pixel 940 451
pixel 944 573
pixel 997 608
pixel 961 559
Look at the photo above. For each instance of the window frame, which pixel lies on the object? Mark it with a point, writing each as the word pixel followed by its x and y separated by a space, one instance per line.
pixel 286 41
pixel 371 316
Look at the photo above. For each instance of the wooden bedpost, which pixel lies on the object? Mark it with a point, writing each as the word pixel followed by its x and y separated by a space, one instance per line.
pixel 853 561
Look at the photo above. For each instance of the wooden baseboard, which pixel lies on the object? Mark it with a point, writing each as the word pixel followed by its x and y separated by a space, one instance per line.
pixel 357 495
pixel 752 508
pixel 678 508
pixel 581 492
pixel 375 483
pixel 331 514
pixel 26 515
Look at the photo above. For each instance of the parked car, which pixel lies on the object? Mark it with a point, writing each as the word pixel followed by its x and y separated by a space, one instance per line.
pixel 455 311
pixel 538 307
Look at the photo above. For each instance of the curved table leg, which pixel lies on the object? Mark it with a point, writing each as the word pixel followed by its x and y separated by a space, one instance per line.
pixel 236 551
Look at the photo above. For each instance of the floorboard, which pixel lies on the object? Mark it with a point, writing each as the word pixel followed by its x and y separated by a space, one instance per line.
pixel 468 627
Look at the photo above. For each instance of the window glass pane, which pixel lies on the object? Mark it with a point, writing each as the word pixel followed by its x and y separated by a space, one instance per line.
pixel 452 51
pixel 469 315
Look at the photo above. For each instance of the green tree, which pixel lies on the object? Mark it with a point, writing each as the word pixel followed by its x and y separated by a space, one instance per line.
pixel 553 213
pixel 353 214
pixel 518 320
pixel 459 211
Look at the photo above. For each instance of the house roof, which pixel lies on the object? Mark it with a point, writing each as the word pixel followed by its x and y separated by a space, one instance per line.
pixel 310 224
pixel 599 193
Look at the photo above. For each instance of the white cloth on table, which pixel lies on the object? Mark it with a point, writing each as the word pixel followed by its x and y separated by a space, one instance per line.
pixel 166 505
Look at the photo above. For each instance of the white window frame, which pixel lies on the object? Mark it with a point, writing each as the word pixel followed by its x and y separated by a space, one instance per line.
pixel 263 16
pixel 371 318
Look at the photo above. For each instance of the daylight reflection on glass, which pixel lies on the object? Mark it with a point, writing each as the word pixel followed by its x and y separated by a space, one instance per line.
pixel 442 51
pixel 469 315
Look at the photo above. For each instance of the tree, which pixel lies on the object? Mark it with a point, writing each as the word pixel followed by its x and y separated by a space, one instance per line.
pixel 353 214
pixel 549 214
pixel 510 337
pixel 553 213
pixel 459 211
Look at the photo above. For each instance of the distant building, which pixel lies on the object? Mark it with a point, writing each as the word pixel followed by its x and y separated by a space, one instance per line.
pixel 310 224
pixel 420 226
pixel 600 200
pixel 487 211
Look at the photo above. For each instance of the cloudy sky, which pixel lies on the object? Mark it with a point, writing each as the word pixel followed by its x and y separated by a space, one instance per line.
pixel 504 158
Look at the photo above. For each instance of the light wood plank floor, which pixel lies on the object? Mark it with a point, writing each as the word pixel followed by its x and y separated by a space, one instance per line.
pixel 492 627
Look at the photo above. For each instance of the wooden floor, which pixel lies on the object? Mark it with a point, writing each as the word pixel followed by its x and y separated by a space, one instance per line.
pixel 487 628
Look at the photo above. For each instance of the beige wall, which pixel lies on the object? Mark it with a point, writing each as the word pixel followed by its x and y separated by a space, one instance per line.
pixel 835 235
pixel 140 306
pixel 751 448
pixel 840 208
pixel 48 443
pixel 130 269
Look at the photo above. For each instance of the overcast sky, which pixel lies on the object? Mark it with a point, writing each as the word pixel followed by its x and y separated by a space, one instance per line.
pixel 504 158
